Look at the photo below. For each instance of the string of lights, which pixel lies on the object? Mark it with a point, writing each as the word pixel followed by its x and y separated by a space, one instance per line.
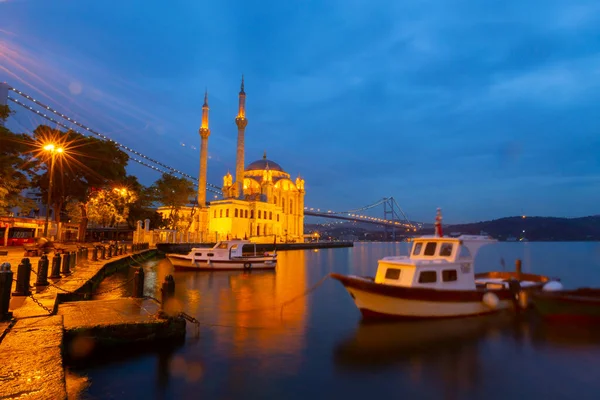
pixel 145 164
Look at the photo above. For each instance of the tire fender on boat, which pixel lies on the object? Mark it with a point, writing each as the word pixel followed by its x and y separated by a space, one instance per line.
pixel 490 299
pixel 247 266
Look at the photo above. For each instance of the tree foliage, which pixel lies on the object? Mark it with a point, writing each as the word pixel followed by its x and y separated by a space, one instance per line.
pixel 86 164
pixel 174 193
pixel 15 167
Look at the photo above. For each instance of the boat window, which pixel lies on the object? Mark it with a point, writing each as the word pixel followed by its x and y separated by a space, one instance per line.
pixel 446 250
pixel 464 252
pixel 392 273
pixel 209 254
pixel 417 249
pixel 198 254
pixel 222 246
pixel 234 247
pixel 449 275
pixel 430 249
pixel 428 276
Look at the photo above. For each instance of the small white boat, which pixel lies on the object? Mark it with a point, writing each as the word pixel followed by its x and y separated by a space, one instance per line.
pixel 227 255
pixel 437 280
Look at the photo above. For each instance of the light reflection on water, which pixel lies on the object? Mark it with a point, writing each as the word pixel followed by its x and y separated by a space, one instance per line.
pixel 318 348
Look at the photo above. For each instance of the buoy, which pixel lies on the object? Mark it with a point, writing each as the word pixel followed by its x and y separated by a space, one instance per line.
pixel 490 300
pixel 552 286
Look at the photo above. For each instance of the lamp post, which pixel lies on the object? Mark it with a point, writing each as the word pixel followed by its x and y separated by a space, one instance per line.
pixel 54 150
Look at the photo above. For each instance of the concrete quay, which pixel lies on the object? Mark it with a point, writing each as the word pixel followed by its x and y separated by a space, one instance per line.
pixel 53 323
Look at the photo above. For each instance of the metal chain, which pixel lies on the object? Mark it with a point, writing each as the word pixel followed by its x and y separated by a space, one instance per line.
pixel 52 284
pixel 36 301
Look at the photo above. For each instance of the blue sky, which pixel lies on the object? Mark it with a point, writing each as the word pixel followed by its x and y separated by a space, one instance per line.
pixel 486 109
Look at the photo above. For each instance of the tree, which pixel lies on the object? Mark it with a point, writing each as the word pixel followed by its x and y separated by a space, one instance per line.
pixel 142 208
pixel 86 164
pixel 15 167
pixel 174 193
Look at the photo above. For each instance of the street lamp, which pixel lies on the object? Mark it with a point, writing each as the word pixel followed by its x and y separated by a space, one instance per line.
pixel 54 150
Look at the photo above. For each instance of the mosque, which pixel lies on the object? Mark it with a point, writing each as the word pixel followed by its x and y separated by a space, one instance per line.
pixel 260 203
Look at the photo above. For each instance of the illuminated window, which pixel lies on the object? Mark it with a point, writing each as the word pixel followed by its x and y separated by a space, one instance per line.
pixel 236 213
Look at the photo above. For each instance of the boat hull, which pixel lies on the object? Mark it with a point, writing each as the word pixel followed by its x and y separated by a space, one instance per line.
pixel 379 301
pixel 582 305
pixel 182 263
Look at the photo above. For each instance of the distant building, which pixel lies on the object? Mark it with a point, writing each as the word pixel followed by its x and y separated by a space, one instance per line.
pixel 260 203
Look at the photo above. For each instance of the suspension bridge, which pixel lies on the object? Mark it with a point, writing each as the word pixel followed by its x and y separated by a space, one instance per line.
pixel 393 217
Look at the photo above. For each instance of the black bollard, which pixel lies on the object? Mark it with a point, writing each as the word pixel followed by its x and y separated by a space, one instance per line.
pixel 42 272
pixel 167 290
pixel 95 254
pixel 23 277
pixel 138 283
pixel 73 260
pixel 109 252
pixel 6 278
pixel 103 252
pixel 124 248
pixel 66 264
pixel 55 272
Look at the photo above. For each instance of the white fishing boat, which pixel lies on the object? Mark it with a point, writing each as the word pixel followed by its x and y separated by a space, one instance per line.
pixel 437 280
pixel 227 255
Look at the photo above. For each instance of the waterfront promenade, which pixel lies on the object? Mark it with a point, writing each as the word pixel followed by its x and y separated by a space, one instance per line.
pixel 42 331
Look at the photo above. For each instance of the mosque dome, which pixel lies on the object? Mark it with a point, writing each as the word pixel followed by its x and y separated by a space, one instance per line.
pixel 261 165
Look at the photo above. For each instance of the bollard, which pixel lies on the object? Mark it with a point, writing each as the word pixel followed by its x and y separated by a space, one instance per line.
pixel 138 283
pixel 167 290
pixel 124 248
pixel 23 277
pixel 55 273
pixel 42 272
pixel 109 252
pixel 6 278
pixel 103 252
pixel 95 254
pixel 73 260
pixel 518 267
pixel 66 264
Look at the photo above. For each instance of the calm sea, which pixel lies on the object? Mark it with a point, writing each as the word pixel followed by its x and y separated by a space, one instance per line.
pixel 316 347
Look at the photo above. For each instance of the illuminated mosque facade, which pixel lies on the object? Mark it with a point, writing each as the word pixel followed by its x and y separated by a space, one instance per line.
pixel 260 203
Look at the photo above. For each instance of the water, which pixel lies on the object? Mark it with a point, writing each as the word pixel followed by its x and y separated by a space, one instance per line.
pixel 317 348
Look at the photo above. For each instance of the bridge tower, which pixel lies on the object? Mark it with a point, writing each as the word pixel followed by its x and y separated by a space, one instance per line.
pixel 389 214
pixel 204 131
pixel 241 123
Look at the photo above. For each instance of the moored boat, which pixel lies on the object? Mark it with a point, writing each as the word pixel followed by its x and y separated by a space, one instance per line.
pixel 437 280
pixel 227 255
pixel 580 305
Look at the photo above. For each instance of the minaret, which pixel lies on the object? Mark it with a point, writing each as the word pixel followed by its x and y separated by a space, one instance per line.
pixel 241 123
pixel 204 134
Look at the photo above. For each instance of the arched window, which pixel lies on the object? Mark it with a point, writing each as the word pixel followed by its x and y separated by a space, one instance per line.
pixel 291 206
pixel 236 212
pixel 275 200
pixel 270 215
pixel 259 214
pixel 245 213
pixel 215 215
pixel 252 214
pixel 257 230
pixel 227 213
pixel 220 213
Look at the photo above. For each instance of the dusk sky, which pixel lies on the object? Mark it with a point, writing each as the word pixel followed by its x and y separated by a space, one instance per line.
pixel 484 108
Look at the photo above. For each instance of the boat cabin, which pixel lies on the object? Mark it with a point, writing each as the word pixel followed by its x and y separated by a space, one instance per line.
pixel 434 262
pixel 227 249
